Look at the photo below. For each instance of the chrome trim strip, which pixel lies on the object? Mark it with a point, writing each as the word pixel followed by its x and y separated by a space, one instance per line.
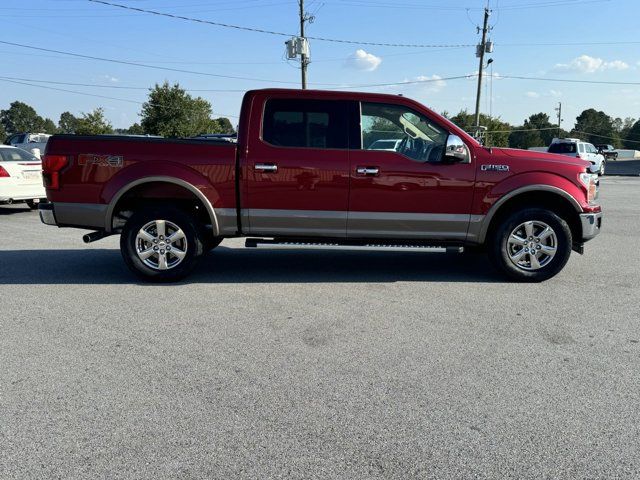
pixel 407 225
pixel 323 223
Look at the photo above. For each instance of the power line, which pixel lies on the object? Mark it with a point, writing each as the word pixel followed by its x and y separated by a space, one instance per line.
pixel 155 67
pixel 344 86
pixel 272 32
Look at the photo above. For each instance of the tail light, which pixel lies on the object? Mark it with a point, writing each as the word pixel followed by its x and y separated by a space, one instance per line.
pixel 3 173
pixel 51 166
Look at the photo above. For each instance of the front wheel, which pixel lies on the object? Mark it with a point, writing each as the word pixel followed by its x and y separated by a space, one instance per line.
pixel 161 244
pixel 531 245
pixel 602 165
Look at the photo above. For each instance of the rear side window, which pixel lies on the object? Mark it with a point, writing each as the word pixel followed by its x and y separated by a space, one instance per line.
pixel 16 155
pixel 562 148
pixel 306 123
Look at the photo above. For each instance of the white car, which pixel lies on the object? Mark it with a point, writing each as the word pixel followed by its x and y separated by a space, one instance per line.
pixel 34 143
pixel 574 147
pixel 20 177
pixel 389 145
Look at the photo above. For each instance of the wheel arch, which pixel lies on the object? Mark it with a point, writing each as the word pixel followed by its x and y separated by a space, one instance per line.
pixel 553 198
pixel 129 187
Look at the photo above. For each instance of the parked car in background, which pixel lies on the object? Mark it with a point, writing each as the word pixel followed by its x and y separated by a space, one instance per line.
pixel 389 145
pixel 574 147
pixel 33 143
pixel 20 177
pixel 607 151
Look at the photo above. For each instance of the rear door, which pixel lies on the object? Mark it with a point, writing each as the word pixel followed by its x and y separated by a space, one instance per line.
pixel 409 193
pixel 298 169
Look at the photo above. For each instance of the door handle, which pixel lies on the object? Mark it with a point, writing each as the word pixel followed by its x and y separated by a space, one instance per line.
pixel 367 170
pixel 266 167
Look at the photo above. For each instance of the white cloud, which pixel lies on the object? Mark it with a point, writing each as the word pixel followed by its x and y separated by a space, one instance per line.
pixel 616 65
pixel 587 64
pixel 550 93
pixel 110 78
pixel 432 84
pixel 361 60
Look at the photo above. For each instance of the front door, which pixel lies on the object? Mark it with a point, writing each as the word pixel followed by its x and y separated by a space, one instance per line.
pixel 298 170
pixel 400 186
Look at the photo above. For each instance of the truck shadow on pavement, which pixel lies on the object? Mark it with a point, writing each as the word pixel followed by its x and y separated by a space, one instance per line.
pixel 238 265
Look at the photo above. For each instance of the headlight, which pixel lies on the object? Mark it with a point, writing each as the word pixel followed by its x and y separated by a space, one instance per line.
pixel 589 180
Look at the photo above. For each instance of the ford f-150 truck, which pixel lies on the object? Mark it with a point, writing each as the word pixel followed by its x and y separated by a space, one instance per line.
pixel 308 169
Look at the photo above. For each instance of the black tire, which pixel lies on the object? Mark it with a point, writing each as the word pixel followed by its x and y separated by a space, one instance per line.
pixel 499 247
pixel 192 245
pixel 31 204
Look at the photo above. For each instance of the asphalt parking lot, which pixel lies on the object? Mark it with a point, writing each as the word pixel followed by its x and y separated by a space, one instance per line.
pixel 318 364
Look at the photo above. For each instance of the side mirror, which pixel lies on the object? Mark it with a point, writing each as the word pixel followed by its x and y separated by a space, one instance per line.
pixel 456 150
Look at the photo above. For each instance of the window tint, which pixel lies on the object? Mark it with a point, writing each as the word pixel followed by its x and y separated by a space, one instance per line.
pixel 563 148
pixel 394 127
pixel 306 123
pixel 17 155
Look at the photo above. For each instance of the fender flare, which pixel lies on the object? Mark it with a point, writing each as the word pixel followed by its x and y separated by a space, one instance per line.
pixel 514 193
pixel 176 181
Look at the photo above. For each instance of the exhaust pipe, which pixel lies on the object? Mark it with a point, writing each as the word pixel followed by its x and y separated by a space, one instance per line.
pixel 95 236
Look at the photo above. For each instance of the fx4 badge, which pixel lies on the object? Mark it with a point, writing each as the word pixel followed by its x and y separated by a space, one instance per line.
pixel 100 160
pixel 494 168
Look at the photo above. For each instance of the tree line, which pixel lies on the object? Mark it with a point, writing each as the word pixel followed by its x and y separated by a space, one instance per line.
pixel 591 125
pixel 169 112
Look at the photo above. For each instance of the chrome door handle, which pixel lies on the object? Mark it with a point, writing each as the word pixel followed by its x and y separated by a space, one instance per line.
pixel 367 170
pixel 266 167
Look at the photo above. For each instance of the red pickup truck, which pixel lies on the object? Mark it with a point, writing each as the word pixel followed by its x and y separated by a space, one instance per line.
pixel 323 168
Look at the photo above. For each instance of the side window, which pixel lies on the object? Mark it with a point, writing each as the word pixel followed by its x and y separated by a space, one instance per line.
pixel 305 123
pixel 581 147
pixel 400 129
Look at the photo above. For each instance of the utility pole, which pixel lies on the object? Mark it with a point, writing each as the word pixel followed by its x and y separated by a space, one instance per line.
pixel 480 51
pixel 559 110
pixel 304 61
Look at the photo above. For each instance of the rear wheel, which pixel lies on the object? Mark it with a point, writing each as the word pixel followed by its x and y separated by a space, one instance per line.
pixel 161 244
pixel 32 204
pixel 531 245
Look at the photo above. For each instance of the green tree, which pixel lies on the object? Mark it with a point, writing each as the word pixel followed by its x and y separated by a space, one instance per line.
pixel 67 123
pixel 135 129
pixel 221 125
pixel 49 127
pixel 93 123
pixel 632 138
pixel 497 131
pixel 20 117
pixel 523 137
pixel 595 127
pixel 171 112
pixel 546 129
pixel 3 134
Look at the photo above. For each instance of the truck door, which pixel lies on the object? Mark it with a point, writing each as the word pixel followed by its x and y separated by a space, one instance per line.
pixel 297 169
pixel 406 191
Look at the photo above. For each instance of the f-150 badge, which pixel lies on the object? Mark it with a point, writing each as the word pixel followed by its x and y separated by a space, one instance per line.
pixel 494 168
pixel 100 160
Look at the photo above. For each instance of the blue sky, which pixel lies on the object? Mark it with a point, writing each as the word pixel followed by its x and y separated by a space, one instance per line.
pixel 82 27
